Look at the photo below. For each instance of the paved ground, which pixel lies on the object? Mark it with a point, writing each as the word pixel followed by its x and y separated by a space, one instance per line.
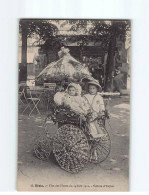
pixel 110 175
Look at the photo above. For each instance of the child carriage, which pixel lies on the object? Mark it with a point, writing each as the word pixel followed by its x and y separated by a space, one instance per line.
pixel 72 143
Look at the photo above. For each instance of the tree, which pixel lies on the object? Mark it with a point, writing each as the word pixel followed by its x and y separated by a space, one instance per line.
pixel 107 32
pixel 28 28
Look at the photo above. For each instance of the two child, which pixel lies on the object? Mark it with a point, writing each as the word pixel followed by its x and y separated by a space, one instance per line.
pixel 91 102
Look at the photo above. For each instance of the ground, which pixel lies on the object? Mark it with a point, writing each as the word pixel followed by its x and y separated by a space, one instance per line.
pixel 110 175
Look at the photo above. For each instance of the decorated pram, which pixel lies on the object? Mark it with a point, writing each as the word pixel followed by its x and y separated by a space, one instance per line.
pixel 72 144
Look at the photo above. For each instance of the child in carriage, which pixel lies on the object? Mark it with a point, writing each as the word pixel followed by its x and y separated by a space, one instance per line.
pixel 72 98
pixel 96 104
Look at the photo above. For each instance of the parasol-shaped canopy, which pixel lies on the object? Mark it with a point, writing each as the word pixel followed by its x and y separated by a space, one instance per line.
pixel 66 67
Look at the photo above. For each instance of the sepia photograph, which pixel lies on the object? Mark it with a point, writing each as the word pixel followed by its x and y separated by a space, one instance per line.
pixel 73 104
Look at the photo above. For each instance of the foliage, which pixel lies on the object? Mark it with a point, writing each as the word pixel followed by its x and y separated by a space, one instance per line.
pixel 41 28
pixel 85 30
pixel 100 30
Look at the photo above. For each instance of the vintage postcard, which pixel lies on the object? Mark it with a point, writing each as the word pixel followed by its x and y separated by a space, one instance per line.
pixel 73 105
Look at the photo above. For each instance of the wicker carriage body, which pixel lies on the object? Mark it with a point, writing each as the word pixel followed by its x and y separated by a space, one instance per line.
pixel 64 115
pixel 73 146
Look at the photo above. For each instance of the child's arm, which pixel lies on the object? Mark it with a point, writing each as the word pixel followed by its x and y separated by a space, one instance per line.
pixel 66 101
pixel 58 97
pixel 85 106
pixel 102 106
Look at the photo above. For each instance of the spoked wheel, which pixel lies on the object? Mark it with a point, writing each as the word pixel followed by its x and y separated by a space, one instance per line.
pixel 43 147
pixel 100 147
pixel 44 143
pixel 71 148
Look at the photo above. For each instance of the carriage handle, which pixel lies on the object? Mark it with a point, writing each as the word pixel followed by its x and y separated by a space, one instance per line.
pixel 108 95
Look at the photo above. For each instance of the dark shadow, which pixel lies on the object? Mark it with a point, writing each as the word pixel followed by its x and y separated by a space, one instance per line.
pixel 53 159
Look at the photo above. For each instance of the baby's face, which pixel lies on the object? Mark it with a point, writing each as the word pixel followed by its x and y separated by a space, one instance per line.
pixel 72 91
pixel 92 89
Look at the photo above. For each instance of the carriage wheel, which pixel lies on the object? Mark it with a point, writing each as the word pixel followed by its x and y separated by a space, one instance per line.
pixel 43 147
pixel 100 147
pixel 71 148
pixel 44 143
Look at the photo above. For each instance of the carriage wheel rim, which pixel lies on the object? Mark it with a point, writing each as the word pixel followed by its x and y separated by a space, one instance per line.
pixel 72 159
pixel 109 148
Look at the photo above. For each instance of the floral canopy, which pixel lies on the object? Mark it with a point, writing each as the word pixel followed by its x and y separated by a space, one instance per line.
pixel 66 67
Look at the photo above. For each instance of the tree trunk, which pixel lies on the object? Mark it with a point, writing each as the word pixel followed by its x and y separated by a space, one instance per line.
pixel 110 64
pixel 24 53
